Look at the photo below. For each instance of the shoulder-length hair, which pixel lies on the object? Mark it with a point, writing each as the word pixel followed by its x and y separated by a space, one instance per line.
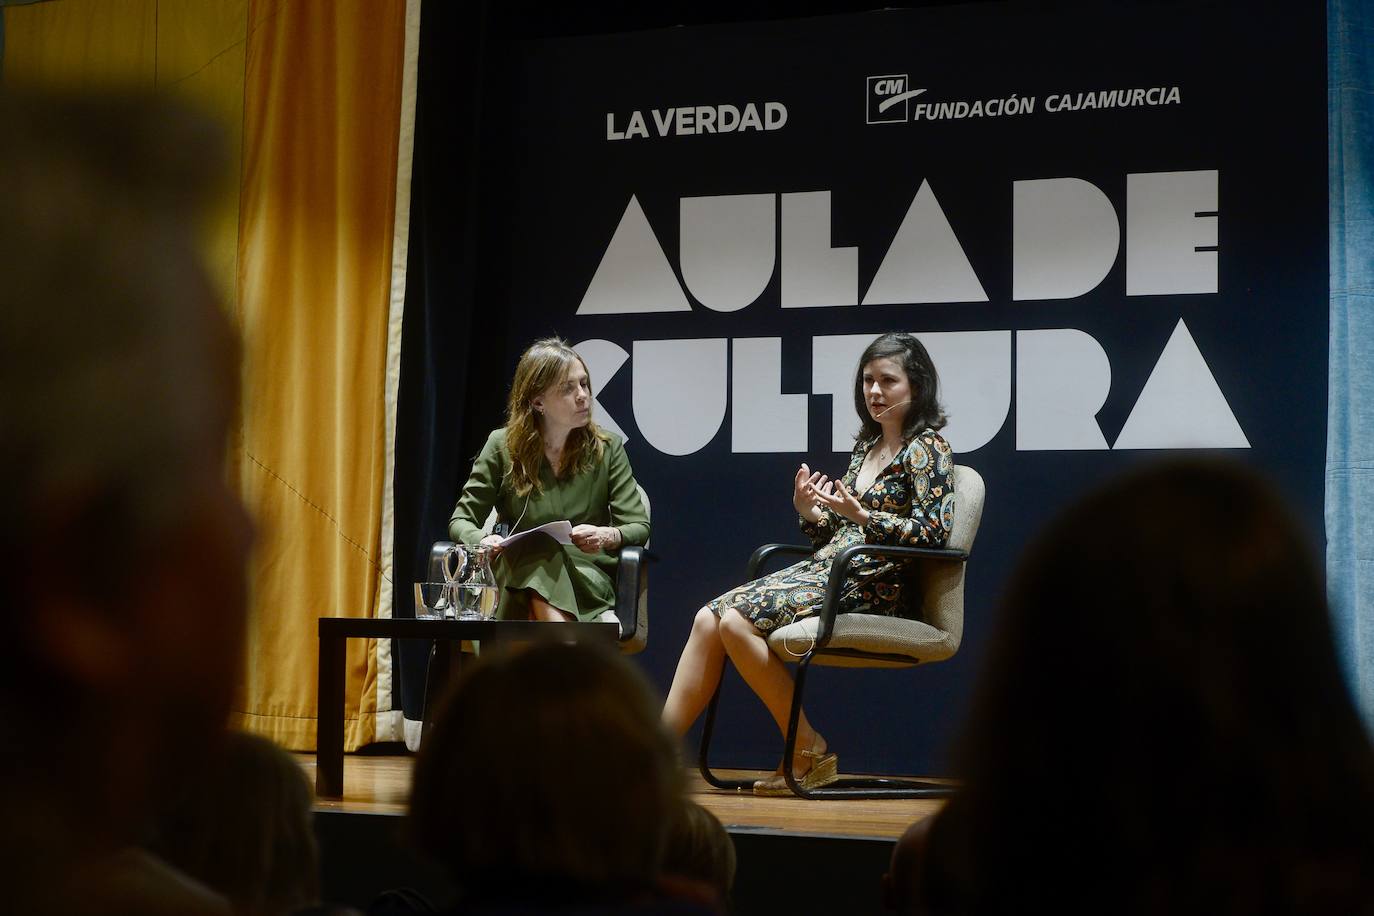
pixel 525 837
pixel 546 363
pixel 925 410
pixel 1173 629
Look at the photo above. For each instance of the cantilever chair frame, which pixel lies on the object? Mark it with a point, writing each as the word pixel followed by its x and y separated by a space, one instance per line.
pixel 853 787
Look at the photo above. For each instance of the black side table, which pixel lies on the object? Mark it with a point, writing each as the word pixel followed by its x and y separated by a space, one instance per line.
pixel 336 631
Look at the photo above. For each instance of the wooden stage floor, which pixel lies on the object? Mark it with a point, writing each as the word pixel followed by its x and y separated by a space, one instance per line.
pixel 381 785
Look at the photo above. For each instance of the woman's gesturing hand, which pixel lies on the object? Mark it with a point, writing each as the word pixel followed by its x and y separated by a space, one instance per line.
pixel 804 493
pixel 838 499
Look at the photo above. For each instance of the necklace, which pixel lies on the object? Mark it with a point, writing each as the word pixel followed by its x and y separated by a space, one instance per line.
pixel 885 455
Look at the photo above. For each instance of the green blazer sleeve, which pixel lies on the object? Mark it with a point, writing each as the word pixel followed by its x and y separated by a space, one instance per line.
pixel 480 492
pixel 627 509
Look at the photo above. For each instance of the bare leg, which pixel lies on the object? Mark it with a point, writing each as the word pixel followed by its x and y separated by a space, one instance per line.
pixel 542 610
pixel 698 672
pixel 766 675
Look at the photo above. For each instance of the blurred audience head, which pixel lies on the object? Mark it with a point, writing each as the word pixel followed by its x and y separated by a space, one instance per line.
pixel 244 829
pixel 123 547
pixel 548 776
pixel 701 851
pixel 1161 716
pixel 901 882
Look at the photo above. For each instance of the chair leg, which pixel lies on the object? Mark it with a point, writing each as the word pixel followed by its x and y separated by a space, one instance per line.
pixel 854 787
pixel 433 679
pixel 789 745
pixel 445 657
pixel 708 728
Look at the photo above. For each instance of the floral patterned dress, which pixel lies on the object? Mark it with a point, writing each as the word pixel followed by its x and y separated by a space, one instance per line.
pixel 910 503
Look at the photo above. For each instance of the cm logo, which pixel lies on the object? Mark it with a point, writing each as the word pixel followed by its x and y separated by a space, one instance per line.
pixel 887 98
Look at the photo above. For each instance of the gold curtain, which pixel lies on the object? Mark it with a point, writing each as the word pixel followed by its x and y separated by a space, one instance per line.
pixel 322 91
pixel 83 43
pixel 192 48
pixel 309 93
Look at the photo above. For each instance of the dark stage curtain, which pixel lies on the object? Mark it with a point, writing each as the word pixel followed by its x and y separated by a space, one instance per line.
pixel 449 396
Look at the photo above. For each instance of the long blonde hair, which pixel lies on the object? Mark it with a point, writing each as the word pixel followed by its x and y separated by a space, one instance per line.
pixel 547 362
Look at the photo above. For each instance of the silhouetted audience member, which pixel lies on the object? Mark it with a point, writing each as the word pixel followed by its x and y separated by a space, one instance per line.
pixel 244 828
pixel 547 783
pixel 122 562
pixel 1161 725
pixel 901 882
pixel 700 852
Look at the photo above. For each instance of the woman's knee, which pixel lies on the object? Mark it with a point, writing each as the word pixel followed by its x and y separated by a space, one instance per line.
pixel 705 625
pixel 735 626
pixel 542 610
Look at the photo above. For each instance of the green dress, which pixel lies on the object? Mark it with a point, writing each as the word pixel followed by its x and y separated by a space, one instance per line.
pixel 583 584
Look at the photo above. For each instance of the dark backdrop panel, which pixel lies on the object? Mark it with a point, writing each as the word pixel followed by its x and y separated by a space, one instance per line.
pixel 1251 84
pixel 441 379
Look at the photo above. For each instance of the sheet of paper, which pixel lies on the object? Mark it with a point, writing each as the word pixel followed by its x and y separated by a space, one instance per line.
pixel 559 531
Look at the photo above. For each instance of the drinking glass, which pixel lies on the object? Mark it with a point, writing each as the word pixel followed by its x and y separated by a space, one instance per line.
pixel 432 599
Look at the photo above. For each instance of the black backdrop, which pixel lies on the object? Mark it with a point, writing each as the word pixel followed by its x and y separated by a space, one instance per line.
pixel 517 192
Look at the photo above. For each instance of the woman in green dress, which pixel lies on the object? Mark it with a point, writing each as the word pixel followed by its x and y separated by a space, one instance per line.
pixel 551 462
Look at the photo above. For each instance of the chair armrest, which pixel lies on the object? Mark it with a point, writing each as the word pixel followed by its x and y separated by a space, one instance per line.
pixel 437 553
pixel 767 550
pixel 840 568
pixel 629 577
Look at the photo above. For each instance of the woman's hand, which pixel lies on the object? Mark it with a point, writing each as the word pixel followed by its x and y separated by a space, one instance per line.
pixel 804 493
pixel 838 498
pixel 493 544
pixel 591 539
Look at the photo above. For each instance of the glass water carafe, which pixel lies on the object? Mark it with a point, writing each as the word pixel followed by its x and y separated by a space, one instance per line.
pixel 470 582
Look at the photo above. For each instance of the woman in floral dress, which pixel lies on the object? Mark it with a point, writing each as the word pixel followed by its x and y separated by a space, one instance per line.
pixel 898 489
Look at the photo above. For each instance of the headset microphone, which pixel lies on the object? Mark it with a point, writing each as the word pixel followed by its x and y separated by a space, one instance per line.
pixel 886 409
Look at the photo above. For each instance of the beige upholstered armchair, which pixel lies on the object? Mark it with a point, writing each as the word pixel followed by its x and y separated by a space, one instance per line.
pixel 870 640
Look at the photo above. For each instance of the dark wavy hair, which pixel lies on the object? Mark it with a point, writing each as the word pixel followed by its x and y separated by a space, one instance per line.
pixel 1163 664
pixel 910 353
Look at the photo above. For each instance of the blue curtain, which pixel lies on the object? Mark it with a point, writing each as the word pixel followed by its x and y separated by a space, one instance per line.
pixel 1350 400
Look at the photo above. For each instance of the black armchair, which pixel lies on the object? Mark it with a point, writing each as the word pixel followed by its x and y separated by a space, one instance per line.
pixel 631 592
